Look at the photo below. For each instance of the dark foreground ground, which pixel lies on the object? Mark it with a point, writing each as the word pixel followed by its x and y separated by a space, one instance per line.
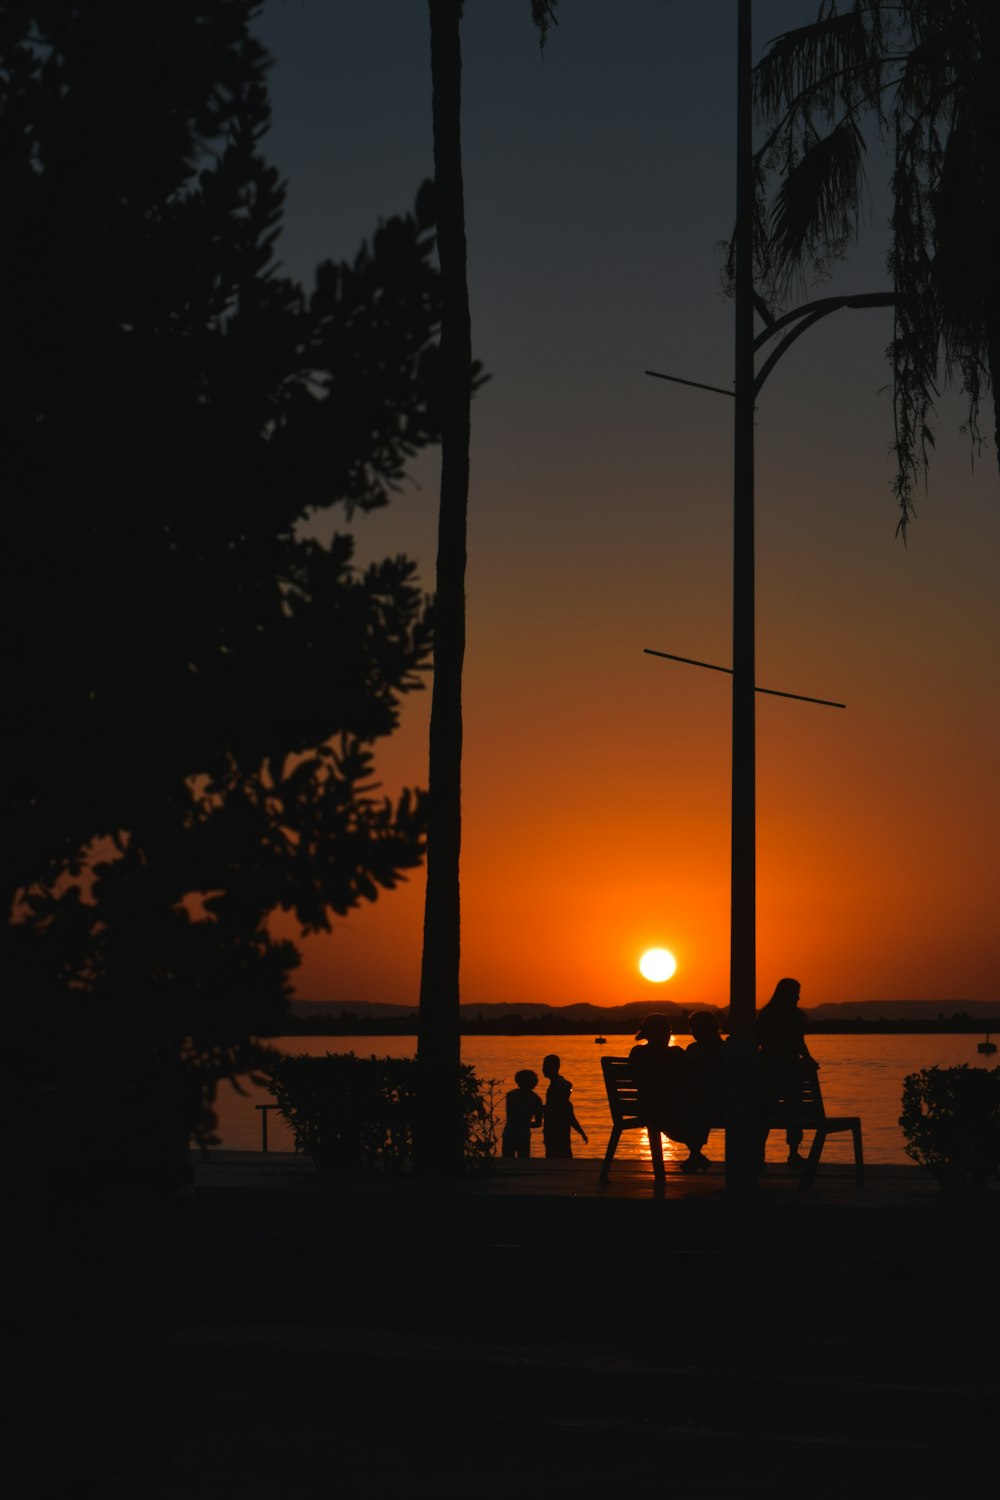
pixel 527 1336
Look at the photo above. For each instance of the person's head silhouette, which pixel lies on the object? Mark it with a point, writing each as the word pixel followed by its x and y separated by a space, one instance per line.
pixel 704 1026
pixel 786 994
pixel 655 1029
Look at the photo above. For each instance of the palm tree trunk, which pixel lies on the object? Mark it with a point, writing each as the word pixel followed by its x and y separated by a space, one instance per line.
pixel 439 1143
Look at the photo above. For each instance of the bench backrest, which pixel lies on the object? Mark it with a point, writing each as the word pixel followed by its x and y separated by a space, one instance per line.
pixel 623 1095
pixel 623 1098
pixel 807 1106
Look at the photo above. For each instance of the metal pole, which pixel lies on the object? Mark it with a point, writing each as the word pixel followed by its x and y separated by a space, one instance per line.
pixel 263 1123
pixel 742 1104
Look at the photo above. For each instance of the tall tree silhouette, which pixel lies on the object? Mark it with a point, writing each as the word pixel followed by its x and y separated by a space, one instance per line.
pixel 925 72
pixel 439 1142
pixel 195 685
pixel 179 409
pixel 439 1146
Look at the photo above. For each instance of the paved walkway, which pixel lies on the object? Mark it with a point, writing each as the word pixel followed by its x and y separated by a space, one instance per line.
pixel 580 1178
pixel 532 1334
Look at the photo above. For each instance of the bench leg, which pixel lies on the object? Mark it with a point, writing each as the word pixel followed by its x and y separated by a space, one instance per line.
pixel 859 1161
pixel 656 1150
pixel 812 1160
pixel 616 1135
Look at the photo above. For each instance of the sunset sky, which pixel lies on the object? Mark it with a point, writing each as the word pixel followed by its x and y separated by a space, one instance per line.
pixel 599 183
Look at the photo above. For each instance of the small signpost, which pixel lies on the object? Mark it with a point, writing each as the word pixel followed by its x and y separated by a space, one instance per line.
pixel 263 1124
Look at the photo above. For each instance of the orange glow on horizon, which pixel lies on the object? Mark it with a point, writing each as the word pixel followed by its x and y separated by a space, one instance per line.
pixel 596 781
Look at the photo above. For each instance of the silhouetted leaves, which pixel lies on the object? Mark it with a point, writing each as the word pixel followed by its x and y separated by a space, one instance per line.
pixel 355 1114
pixel 818 201
pixel 924 75
pixel 951 1121
pixel 543 14
pixel 195 687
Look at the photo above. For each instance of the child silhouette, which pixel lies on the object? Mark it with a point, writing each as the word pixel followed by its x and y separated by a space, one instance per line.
pixel 524 1109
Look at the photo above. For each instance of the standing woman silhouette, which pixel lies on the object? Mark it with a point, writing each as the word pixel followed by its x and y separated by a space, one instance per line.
pixel 783 1055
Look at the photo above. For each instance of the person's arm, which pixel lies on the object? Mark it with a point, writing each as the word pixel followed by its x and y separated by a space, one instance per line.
pixel 576 1125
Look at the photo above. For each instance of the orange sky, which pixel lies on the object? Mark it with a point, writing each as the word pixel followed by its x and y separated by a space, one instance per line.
pixel 596 785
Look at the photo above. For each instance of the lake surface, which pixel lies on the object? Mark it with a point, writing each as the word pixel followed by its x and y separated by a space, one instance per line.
pixel 860 1075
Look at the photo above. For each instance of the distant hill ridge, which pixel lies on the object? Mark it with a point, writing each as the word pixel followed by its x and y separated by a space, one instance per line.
pixel 604 1016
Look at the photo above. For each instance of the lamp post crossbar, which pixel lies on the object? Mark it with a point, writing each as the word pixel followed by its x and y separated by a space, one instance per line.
pixel 699 385
pixel 711 667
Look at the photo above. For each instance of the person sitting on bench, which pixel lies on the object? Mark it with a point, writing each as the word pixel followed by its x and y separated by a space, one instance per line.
pixel 667 1086
pixel 707 1053
pixel 783 1054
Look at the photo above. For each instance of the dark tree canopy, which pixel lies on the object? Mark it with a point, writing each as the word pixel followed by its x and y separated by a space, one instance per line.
pixel 925 74
pixel 194 690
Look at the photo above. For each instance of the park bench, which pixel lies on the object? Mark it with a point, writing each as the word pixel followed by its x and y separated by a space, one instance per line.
pixel 809 1114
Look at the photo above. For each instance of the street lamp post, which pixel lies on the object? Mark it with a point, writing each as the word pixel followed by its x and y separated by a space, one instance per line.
pixel 742 1098
pixel 743 1154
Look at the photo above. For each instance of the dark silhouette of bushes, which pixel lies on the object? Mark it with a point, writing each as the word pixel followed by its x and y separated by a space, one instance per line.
pixel 951 1121
pixel 355 1114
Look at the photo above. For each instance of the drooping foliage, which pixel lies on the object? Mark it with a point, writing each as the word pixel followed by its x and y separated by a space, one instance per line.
pixel 923 75
pixel 543 16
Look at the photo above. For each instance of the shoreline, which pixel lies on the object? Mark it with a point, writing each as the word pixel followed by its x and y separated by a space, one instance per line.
pixel 295 1026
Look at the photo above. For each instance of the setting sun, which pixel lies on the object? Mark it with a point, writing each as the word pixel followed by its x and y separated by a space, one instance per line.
pixel 657 964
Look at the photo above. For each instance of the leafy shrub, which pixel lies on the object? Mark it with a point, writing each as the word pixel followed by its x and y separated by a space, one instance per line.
pixel 480 1105
pixel 355 1114
pixel 951 1120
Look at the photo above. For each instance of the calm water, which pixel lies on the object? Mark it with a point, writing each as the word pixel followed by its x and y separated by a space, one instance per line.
pixel 860 1075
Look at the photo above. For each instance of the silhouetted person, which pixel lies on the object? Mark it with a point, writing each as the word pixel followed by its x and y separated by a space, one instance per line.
pixel 667 1086
pixel 783 1056
pixel 559 1118
pixel 524 1109
pixel 707 1053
